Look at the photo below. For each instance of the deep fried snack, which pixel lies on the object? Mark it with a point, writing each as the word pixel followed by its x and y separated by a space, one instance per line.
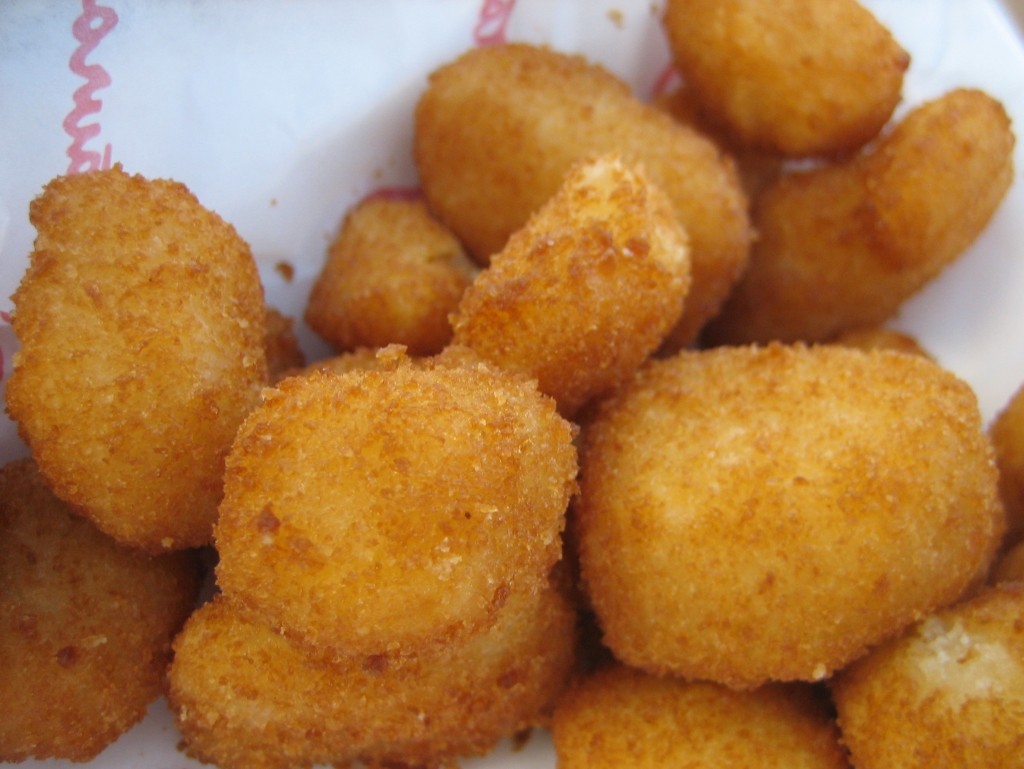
pixel 879 338
pixel 757 169
pixel 386 512
pixel 622 717
pixel 586 290
pixel 844 245
pixel 490 156
pixel 749 514
pixel 1007 434
pixel 248 698
pixel 392 275
pixel 85 625
pixel 801 77
pixel 141 320
pixel 949 693
pixel 282 347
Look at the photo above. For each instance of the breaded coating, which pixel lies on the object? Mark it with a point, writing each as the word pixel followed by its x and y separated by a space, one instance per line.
pixel 489 156
pixel 85 625
pixel 248 698
pixel 586 290
pixel 620 717
pixel 387 512
pixel 141 320
pixel 879 338
pixel 754 514
pixel 282 347
pixel 757 168
pixel 844 245
pixel 1007 434
pixel 801 77
pixel 949 693
pixel 392 276
pixel 1010 567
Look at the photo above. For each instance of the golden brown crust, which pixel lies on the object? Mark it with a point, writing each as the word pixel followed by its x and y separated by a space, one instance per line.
pixel 141 320
pixel 621 717
pixel 586 290
pixel 889 221
pixel 85 625
pixel 490 156
pixel 948 693
pixel 392 276
pixel 248 698
pixel 749 514
pixel 384 512
pixel 801 77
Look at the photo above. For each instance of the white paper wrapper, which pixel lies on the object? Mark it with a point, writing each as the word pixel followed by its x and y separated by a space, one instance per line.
pixel 280 114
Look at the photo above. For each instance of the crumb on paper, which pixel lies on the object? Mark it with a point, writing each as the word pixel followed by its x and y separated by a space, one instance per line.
pixel 273 202
pixel 617 17
pixel 286 270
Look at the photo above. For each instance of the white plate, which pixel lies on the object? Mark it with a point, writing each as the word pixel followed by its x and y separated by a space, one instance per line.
pixel 279 115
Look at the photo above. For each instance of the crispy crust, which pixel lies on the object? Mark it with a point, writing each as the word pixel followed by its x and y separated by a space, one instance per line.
pixel 586 290
pixel 141 320
pixel 749 514
pixel 388 511
pixel 85 625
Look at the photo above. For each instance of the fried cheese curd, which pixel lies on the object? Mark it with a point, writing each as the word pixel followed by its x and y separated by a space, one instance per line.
pixel 141 321
pixel 85 625
pixel 753 514
pixel 247 697
pixel 948 693
pixel 801 77
pixel 586 290
pixel 392 276
pixel 1007 434
pixel 489 156
pixel 386 512
pixel 843 246
pixel 621 717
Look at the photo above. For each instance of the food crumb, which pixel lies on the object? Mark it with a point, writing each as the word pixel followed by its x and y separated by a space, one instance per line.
pixel 617 17
pixel 286 270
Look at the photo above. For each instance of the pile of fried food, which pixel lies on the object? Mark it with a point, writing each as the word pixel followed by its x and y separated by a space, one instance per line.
pixel 592 456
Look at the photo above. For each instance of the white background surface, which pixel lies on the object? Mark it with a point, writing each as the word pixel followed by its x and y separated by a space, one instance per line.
pixel 280 115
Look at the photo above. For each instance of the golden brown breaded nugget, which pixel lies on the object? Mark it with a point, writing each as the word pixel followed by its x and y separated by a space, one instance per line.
pixel 85 625
pixel 586 290
pixel 949 693
pixel 282 347
pixel 879 338
pixel 248 698
pixel 844 245
pixel 141 320
pixel 490 155
pixel 749 514
pixel 386 512
pixel 802 77
pixel 621 717
pixel 392 276
pixel 1007 434
pixel 757 169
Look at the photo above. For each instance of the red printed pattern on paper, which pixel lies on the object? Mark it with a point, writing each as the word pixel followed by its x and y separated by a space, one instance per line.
pixel 89 33
pixel 667 80
pixel 494 16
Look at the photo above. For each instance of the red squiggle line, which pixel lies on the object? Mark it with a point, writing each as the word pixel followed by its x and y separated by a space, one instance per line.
pixel 494 16
pixel 395 193
pixel 667 80
pixel 89 35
